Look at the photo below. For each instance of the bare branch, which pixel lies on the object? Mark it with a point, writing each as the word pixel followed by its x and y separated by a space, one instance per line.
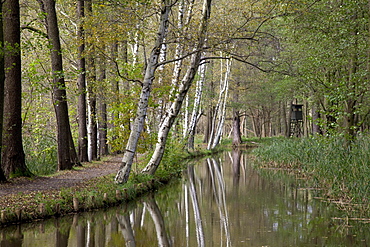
pixel 24 27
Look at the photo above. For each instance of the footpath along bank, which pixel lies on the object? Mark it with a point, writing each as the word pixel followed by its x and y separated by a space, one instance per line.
pixel 81 189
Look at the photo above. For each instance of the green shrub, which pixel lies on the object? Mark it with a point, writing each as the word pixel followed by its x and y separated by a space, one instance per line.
pixel 41 154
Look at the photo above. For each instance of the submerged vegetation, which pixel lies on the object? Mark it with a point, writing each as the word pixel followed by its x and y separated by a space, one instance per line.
pixel 339 169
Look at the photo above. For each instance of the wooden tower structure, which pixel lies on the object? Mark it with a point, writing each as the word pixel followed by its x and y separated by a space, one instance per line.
pixel 296 121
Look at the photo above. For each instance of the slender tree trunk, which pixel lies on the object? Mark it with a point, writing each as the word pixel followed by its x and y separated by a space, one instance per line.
pixel 91 93
pixel 284 119
pixel 114 85
pixel 92 123
pixel 196 108
pixel 81 84
pixel 209 120
pixel 13 160
pixel 103 120
pixel 174 110
pixel 67 155
pixel 2 79
pixel 219 120
pixel 237 139
pixel 128 157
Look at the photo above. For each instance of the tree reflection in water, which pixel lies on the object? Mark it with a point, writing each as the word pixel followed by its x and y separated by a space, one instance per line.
pixel 221 201
pixel 197 215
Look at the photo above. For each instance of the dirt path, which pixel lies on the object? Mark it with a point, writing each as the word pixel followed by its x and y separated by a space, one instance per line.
pixel 62 180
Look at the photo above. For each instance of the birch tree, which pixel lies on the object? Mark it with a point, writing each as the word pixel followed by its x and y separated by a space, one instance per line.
pixel 186 82
pixel 92 126
pixel 219 118
pixel 152 64
pixel 81 84
pixel 196 113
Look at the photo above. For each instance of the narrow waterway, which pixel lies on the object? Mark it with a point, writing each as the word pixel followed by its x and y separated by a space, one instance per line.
pixel 221 201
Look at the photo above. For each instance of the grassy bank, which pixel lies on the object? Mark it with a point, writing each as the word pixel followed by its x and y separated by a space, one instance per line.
pixel 95 193
pixel 341 170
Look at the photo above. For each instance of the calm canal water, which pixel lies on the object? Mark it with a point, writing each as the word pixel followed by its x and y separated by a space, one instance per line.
pixel 221 201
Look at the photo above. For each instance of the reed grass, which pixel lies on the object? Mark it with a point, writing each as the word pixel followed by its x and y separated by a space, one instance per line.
pixel 341 169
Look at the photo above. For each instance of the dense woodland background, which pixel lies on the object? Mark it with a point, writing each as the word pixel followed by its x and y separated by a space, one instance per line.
pixel 75 73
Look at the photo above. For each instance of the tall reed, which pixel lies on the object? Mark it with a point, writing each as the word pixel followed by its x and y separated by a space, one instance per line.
pixel 342 169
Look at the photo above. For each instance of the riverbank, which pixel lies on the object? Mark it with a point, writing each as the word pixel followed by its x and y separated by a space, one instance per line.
pixel 340 171
pixel 81 189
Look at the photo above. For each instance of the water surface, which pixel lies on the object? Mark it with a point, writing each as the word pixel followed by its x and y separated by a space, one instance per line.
pixel 221 201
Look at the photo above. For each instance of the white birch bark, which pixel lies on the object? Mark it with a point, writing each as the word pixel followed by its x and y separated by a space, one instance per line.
pixel 195 115
pixel 127 231
pixel 219 191
pixel 187 231
pixel 186 116
pixel 179 46
pixel 173 111
pixel 160 229
pixel 196 210
pixel 128 157
pixel 219 119
pixel 135 48
pixel 179 53
pixel 157 115
pixel 162 58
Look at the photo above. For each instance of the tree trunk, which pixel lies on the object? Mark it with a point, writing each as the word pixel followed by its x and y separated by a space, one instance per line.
pixel 67 155
pixel 219 119
pixel 13 160
pixel 114 86
pixel 196 108
pixel 91 94
pixel 187 81
pixel 103 120
pixel 237 136
pixel 128 157
pixel 2 79
pixel 237 139
pixel 81 84
pixel 209 120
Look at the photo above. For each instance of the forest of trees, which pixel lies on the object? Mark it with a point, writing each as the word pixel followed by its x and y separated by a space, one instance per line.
pixel 82 79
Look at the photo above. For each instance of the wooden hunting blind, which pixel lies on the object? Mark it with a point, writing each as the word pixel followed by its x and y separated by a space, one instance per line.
pixel 296 120
pixel 296 112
